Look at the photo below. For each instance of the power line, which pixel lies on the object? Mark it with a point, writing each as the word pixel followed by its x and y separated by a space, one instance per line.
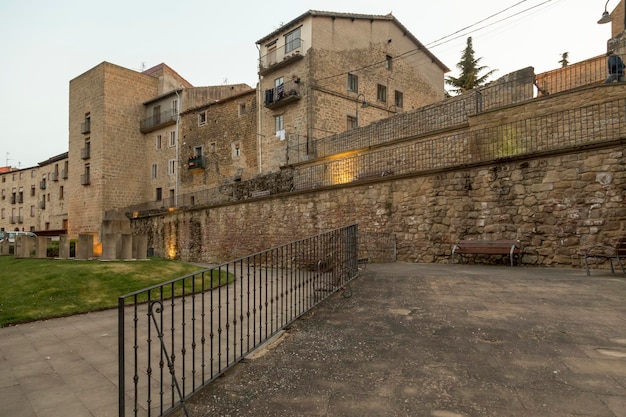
pixel 413 51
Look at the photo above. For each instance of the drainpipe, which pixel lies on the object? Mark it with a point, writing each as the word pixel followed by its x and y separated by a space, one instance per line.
pixel 178 107
pixel 259 125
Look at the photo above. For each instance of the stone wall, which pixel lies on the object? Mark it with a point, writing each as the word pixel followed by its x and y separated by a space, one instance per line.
pixel 555 205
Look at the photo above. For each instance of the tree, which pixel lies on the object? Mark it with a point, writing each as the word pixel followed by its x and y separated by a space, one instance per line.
pixel 564 59
pixel 470 71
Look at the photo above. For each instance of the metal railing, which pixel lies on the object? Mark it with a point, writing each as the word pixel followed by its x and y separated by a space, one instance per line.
pixel 591 125
pixel 176 337
pixel 161 119
pixel 278 55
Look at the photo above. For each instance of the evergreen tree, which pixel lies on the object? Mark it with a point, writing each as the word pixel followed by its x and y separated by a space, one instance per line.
pixel 470 72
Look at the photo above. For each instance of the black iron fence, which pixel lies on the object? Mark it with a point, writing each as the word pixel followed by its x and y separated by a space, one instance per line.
pixel 176 337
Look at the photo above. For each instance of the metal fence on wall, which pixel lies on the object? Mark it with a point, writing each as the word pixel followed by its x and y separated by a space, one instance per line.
pixel 176 337
pixel 584 126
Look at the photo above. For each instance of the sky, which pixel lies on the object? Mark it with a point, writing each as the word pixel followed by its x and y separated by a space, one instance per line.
pixel 44 44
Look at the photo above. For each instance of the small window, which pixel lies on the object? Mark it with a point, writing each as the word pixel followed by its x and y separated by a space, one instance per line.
pixel 154 171
pixel 292 40
pixel 172 138
pixel 351 122
pixel 159 194
pixel 174 107
pixel 32 211
pixel 197 151
pixel 381 93
pixel 158 141
pixel 279 123
pixel 61 193
pixel 388 59
pixel 236 149
pixel 32 191
pixel 242 109
pixel 399 99
pixel 171 167
pixel 202 118
pixel 353 83
pixel 212 147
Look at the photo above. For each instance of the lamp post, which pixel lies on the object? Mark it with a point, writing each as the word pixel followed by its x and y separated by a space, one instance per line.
pixel 357 107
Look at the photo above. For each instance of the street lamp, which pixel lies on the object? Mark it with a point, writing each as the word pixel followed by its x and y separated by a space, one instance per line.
pixel 606 16
pixel 357 107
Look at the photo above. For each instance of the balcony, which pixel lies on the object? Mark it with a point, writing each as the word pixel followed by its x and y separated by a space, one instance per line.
pixel 42 204
pixel 283 94
pixel 155 122
pixel 54 176
pixel 13 199
pixel 42 184
pixel 64 174
pixel 85 153
pixel 20 199
pixel 16 219
pixel 84 179
pixel 195 162
pixel 85 127
pixel 278 58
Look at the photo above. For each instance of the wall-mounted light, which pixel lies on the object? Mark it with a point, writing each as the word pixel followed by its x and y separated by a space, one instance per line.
pixel 606 16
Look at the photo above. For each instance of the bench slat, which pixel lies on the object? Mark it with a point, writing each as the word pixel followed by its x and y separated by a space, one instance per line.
pixel 487 247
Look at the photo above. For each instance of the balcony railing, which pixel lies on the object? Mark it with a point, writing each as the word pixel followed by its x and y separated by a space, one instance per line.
pixel 85 180
pixel 283 94
pixel 13 199
pixel 42 204
pixel 195 162
pixel 85 127
pixel 164 118
pixel 279 58
pixel 42 184
pixel 85 153
pixel 64 174
pixel 54 176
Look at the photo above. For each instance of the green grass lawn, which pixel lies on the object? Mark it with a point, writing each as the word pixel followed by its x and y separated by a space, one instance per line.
pixel 34 289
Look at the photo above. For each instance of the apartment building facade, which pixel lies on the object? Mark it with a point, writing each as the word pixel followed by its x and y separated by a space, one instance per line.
pixel 35 198
pixel 323 73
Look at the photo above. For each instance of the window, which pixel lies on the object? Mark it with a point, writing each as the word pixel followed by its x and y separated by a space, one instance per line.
pixel 172 194
pixel 172 138
pixel 292 40
pixel 154 171
pixel 61 193
pixel 197 151
pixel 271 54
pixel 242 109
pixel 388 59
pixel 156 115
pixel 351 122
pixel 32 211
pixel 353 83
pixel 159 194
pixel 381 93
pixel 171 167
pixel 2 213
pixel 158 141
pixel 32 191
pixel 399 99
pixel 279 126
pixel 236 149
pixel 202 118
pixel 174 106
pixel 212 147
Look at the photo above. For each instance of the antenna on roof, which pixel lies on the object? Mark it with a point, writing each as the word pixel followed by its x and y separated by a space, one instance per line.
pixel 143 66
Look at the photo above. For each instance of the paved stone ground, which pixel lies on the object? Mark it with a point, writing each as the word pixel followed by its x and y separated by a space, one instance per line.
pixel 413 340
pixel 443 341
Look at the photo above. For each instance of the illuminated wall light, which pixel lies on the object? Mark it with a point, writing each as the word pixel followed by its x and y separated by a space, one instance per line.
pixel 343 171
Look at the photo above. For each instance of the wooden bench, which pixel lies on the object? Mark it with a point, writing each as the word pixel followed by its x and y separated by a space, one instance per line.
pixel 612 253
pixel 487 247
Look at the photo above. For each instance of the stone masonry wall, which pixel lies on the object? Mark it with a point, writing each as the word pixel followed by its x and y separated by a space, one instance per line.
pixel 555 205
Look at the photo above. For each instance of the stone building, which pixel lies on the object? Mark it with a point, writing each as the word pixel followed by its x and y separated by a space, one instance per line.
pixel 35 198
pixel 123 140
pixel 323 73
